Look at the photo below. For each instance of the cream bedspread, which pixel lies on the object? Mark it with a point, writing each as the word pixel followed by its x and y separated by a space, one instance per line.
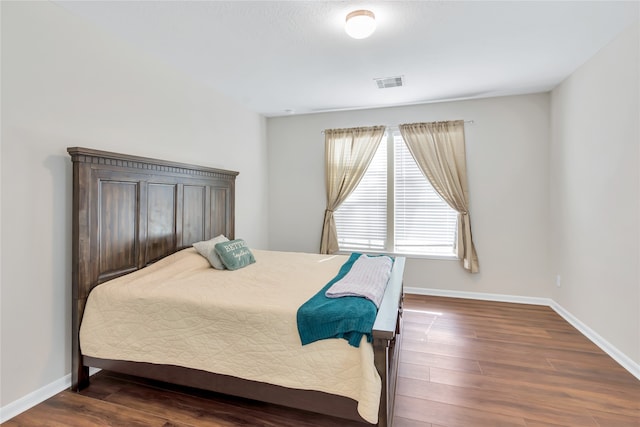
pixel 180 311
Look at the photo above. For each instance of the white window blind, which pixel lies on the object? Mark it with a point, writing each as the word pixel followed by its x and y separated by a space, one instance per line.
pixel 424 223
pixel 361 220
pixel 412 220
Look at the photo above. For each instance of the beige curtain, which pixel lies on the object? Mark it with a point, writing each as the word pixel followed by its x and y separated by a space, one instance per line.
pixel 439 150
pixel 348 153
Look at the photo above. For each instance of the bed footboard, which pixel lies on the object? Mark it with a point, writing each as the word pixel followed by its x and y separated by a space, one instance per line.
pixel 387 340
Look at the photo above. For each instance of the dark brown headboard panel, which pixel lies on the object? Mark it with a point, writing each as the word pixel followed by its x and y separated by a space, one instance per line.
pixel 130 211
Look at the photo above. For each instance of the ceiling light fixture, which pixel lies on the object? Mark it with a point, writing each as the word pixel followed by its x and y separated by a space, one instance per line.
pixel 360 24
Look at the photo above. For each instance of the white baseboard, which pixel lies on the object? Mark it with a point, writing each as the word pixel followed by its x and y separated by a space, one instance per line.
pixel 32 399
pixel 625 361
pixel 478 295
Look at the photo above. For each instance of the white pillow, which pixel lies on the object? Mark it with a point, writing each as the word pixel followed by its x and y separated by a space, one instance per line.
pixel 207 248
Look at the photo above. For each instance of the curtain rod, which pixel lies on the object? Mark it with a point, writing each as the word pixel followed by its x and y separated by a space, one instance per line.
pixel 470 122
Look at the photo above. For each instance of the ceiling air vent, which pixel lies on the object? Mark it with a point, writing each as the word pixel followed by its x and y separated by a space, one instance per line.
pixel 387 82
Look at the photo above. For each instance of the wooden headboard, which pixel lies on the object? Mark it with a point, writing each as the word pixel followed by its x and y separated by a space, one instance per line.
pixel 130 211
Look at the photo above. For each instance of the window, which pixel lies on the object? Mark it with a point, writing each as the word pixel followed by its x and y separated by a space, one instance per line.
pixel 395 209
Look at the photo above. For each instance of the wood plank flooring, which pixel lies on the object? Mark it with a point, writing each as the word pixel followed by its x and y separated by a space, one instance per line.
pixel 463 363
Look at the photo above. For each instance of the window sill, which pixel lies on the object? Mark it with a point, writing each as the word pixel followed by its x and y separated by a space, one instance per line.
pixel 403 254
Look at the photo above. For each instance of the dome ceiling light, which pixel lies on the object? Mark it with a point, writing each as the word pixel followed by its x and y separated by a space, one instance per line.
pixel 360 24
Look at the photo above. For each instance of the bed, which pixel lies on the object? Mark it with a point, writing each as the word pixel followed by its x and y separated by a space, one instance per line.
pixel 132 212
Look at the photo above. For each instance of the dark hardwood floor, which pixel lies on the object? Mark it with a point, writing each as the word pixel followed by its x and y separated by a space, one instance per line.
pixel 463 363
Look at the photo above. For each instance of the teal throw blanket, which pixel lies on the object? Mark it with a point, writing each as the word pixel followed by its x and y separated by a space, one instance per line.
pixel 345 317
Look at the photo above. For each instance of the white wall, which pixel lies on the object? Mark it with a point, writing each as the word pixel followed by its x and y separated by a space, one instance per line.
pixel 507 160
pixel 64 84
pixel 595 193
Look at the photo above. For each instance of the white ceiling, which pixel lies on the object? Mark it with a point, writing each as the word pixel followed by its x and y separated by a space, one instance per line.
pixel 275 57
